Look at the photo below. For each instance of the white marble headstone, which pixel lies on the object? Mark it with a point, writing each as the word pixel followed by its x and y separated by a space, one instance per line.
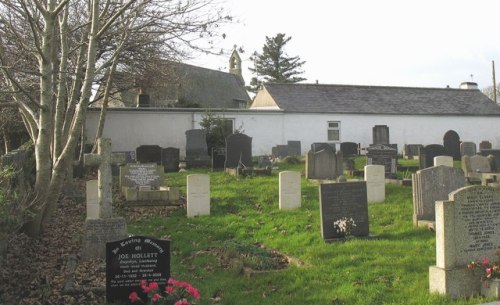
pixel 290 194
pixel 198 195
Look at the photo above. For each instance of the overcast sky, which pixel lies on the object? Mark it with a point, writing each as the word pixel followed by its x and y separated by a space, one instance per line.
pixel 424 43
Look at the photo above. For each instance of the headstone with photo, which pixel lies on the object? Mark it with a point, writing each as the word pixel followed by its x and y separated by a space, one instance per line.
pixel 218 158
pixel 148 154
pixel 170 158
pixel 324 164
pixel 466 229
pixel 432 184
pixel 130 260
pixel 375 183
pixel 410 151
pixel 383 155
pixel 343 201
pixel 290 195
pixel 468 149
pixel 451 143
pixel 380 134
pixel 427 153
pixel 443 160
pixel 349 149
pixel 198 195
pixel 196 148
pixel 238 151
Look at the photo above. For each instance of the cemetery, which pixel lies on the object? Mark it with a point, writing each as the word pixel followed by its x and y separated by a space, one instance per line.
pixel 246 239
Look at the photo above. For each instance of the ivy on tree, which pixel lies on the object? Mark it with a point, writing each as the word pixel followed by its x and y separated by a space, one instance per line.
pixel 273 65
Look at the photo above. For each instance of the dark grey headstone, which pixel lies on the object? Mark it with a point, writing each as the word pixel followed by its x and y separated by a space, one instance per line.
pixel 427 153
pixel 315 147
pixel 339 200
pixel 451 143
pixel 383 155
pixel 238 151
pixel 130 260
pixel 468 149
pixel 196 148
pixel 411 150
pixel 218 158
pixel 143 100
pixel 324 164
pixel 496 154
pixel 349 149
pixel 485 145
pixel 282 151
pixel 380 134
pixel 170 159
pixel 294 148
pixel 148 154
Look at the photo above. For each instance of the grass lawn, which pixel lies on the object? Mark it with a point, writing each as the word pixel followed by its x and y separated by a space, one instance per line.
pixel 389 269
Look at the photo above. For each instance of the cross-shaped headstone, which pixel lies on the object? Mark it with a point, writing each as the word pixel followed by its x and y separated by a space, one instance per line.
pixel 103 159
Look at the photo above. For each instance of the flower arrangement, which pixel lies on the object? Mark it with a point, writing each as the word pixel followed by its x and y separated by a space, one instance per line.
pixel 344 226
pixel 491 269
pixel 175 293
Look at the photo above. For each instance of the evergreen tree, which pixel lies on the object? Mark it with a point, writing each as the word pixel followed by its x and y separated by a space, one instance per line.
pixel 274 65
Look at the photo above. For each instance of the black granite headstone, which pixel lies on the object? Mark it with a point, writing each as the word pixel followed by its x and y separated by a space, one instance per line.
pixel 380 134
pixel 130 260
pixel 485 145
pixel 316 147
pixel 385 155
pixel 170 159
pixel 496 154
pixel 282 151
pixel 451 143
pixel 343 200
pixel 148 154
pixel 427 153
pixel 349 149
pixel 294 148
pixel 218 158
pixel 238 151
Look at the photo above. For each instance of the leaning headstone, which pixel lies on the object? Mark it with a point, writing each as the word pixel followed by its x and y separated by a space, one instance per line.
pixel 432 184
pixel 324 164
pixel 130 260
pixel 380 134
pixel 410 151
pixel 170 159
pixel 97 232
pixel 343 201
pixel 148 154
pixel 294 148
pixel 443 160
pixel 349 149
pixel 485 145
pixel 466 229
pixel 451 143
pixel 290 194
pixel 468 149
pixel 383 155
pixel 375 183
pixel 427 153
pixel 196 148
pixel 198 195
pixel 238 151
pixel 218 158
pixel 92 200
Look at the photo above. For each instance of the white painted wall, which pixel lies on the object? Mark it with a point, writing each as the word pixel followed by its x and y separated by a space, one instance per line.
pixel 129 129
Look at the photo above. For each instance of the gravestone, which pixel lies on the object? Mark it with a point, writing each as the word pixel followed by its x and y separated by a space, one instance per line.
pixel 451 143
pixel 97 232
pixel 92 200
pixel 143 100
pixel 141 175
pixel 432 184
pixel 410 151
pixel 383 155
pixel 290 195
pixel 324 164
pixel 294 148
pixel 343 200
pixel 380 134
pixel 218 158
pixel 443 160
pixel 198 195
pixel 129 157
pixel 196 148
pixel 468 149
pixel 485 145
pixel 349 149
pixel 493 152
pixel 130 260
pixel 170 159
pixel 281 151
pixel 466 229
pixel 427 153
pixel 375 183
pixel 238 151
pixel 315 147
pixel 148 154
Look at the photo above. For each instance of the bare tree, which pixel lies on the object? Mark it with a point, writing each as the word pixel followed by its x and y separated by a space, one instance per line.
pixel 53 52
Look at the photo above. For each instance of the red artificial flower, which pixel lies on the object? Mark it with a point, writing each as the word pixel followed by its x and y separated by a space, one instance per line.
pixel 194 292
pixel 155 297
pixel 170 289
pixel 133 297
pixel 153 286
pixel 488 270
pixel 485 261
pixel 143 284
pixel 469 266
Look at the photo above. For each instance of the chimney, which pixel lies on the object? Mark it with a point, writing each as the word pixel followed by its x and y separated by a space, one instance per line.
pixel 469 86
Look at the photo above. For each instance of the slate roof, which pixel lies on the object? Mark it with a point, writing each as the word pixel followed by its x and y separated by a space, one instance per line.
pixel 314 98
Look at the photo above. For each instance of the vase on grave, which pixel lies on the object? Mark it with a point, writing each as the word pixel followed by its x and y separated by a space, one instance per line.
pixel 491 288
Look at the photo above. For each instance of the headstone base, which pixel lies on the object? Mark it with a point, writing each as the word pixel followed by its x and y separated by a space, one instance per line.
pixel 98 232
pixel 455 283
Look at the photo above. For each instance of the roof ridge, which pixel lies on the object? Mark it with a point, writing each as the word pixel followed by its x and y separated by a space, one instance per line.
pixel 366 86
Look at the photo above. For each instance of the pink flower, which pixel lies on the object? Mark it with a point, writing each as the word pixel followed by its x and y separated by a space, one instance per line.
pixel 485 261
pixel 194 292
pixel 181 302
pixel 153 286
pixel 170 289
pixel 488 270
pixel 155 297
pixel 133 297
pixel 469 266
pixel 143 284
